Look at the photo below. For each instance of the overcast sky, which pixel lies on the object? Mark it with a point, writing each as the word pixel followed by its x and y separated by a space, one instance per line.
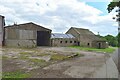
pixel 60 15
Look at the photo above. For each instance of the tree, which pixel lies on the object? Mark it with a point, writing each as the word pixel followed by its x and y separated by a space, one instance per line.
pixel 118 37
pixel 111 40
pixel 113 4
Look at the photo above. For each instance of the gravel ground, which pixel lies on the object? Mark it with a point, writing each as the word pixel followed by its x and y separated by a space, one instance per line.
pixel 76 67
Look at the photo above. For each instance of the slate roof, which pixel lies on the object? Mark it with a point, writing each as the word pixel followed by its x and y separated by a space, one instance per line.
pixel 59 35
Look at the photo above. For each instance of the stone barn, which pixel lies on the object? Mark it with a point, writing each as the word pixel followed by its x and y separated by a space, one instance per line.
pixel 27 35
pixel 86 38
pixel 2 24
pixel 58 39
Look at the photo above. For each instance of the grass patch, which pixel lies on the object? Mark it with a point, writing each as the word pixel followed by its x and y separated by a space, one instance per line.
pixel 58 57
pixel 4 57
pixel 39 62
pixel 16 74
pixel 42 54
pixel 24 57
pixel 107 50
pixel 26 53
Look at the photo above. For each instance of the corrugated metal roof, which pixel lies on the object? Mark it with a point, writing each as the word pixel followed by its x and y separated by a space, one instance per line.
pixel 59 35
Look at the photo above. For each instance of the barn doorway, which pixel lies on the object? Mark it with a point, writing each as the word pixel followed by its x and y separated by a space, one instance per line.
pixel 78 43
pixel 99 45
pixel 43 38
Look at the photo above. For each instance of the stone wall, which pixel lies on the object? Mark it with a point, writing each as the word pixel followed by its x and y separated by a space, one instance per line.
pixel 63 42
pixel 1 29
pixel 20 43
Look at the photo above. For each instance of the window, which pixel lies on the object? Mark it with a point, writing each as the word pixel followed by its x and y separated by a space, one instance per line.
pixel 74 41
pixel 88 44
pixel 65 41
pixel 70 41
pixel 60 41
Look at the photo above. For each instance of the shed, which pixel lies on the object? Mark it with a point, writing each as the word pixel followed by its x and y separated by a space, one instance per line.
pixel 27 35
pixel 58 39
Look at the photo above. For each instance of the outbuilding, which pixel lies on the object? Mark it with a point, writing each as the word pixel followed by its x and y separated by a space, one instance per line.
pixel 87 38
pixel 27 35
pixel 59 39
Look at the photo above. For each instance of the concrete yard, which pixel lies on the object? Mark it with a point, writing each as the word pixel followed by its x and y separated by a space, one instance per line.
pixel 57 62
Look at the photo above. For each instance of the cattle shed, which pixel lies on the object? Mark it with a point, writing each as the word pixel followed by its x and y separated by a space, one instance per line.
pixel 87 38
pixel 63 40
pixel 27 35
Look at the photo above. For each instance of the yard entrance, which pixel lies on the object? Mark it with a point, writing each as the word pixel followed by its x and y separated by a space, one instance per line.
pixel 43 38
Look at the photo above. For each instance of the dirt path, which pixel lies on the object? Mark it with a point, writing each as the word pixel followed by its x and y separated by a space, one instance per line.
pixel 77 67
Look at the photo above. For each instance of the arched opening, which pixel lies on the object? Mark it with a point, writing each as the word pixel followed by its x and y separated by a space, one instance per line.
pixel 99 45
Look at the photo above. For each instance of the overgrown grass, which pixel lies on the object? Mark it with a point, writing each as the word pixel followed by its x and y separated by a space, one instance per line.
pixel 25 53
pixel 16 74
pixel 42 54
pixel 107 50
pixel 58 57
pixel 24 57
pixel 4 57
pixel 39 62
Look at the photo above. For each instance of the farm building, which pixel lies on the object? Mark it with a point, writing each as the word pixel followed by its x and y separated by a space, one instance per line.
pixel 62 40
pixel 27 35
pixel 2 24
pixel 87 38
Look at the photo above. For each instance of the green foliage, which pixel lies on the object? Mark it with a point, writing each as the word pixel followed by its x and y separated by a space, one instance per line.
pixel 107 50
pixel 118 38
pixel 112 40
pixel 113 4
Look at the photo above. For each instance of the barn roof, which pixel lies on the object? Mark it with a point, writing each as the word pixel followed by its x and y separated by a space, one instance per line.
pixel 86 34
pixel 59 35
pixel 83 31
pixel 24 25
pixel 1 16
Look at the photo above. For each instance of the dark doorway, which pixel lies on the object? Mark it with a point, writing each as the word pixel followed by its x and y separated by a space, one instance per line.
pixel 78 43
pixel 88 44
pixel 99 45
pixel 43 38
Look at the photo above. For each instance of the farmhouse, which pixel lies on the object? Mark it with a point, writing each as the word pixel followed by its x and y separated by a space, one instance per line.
pixel 2 24
pixel 27 35
pixel 58 39
pixel 87 38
